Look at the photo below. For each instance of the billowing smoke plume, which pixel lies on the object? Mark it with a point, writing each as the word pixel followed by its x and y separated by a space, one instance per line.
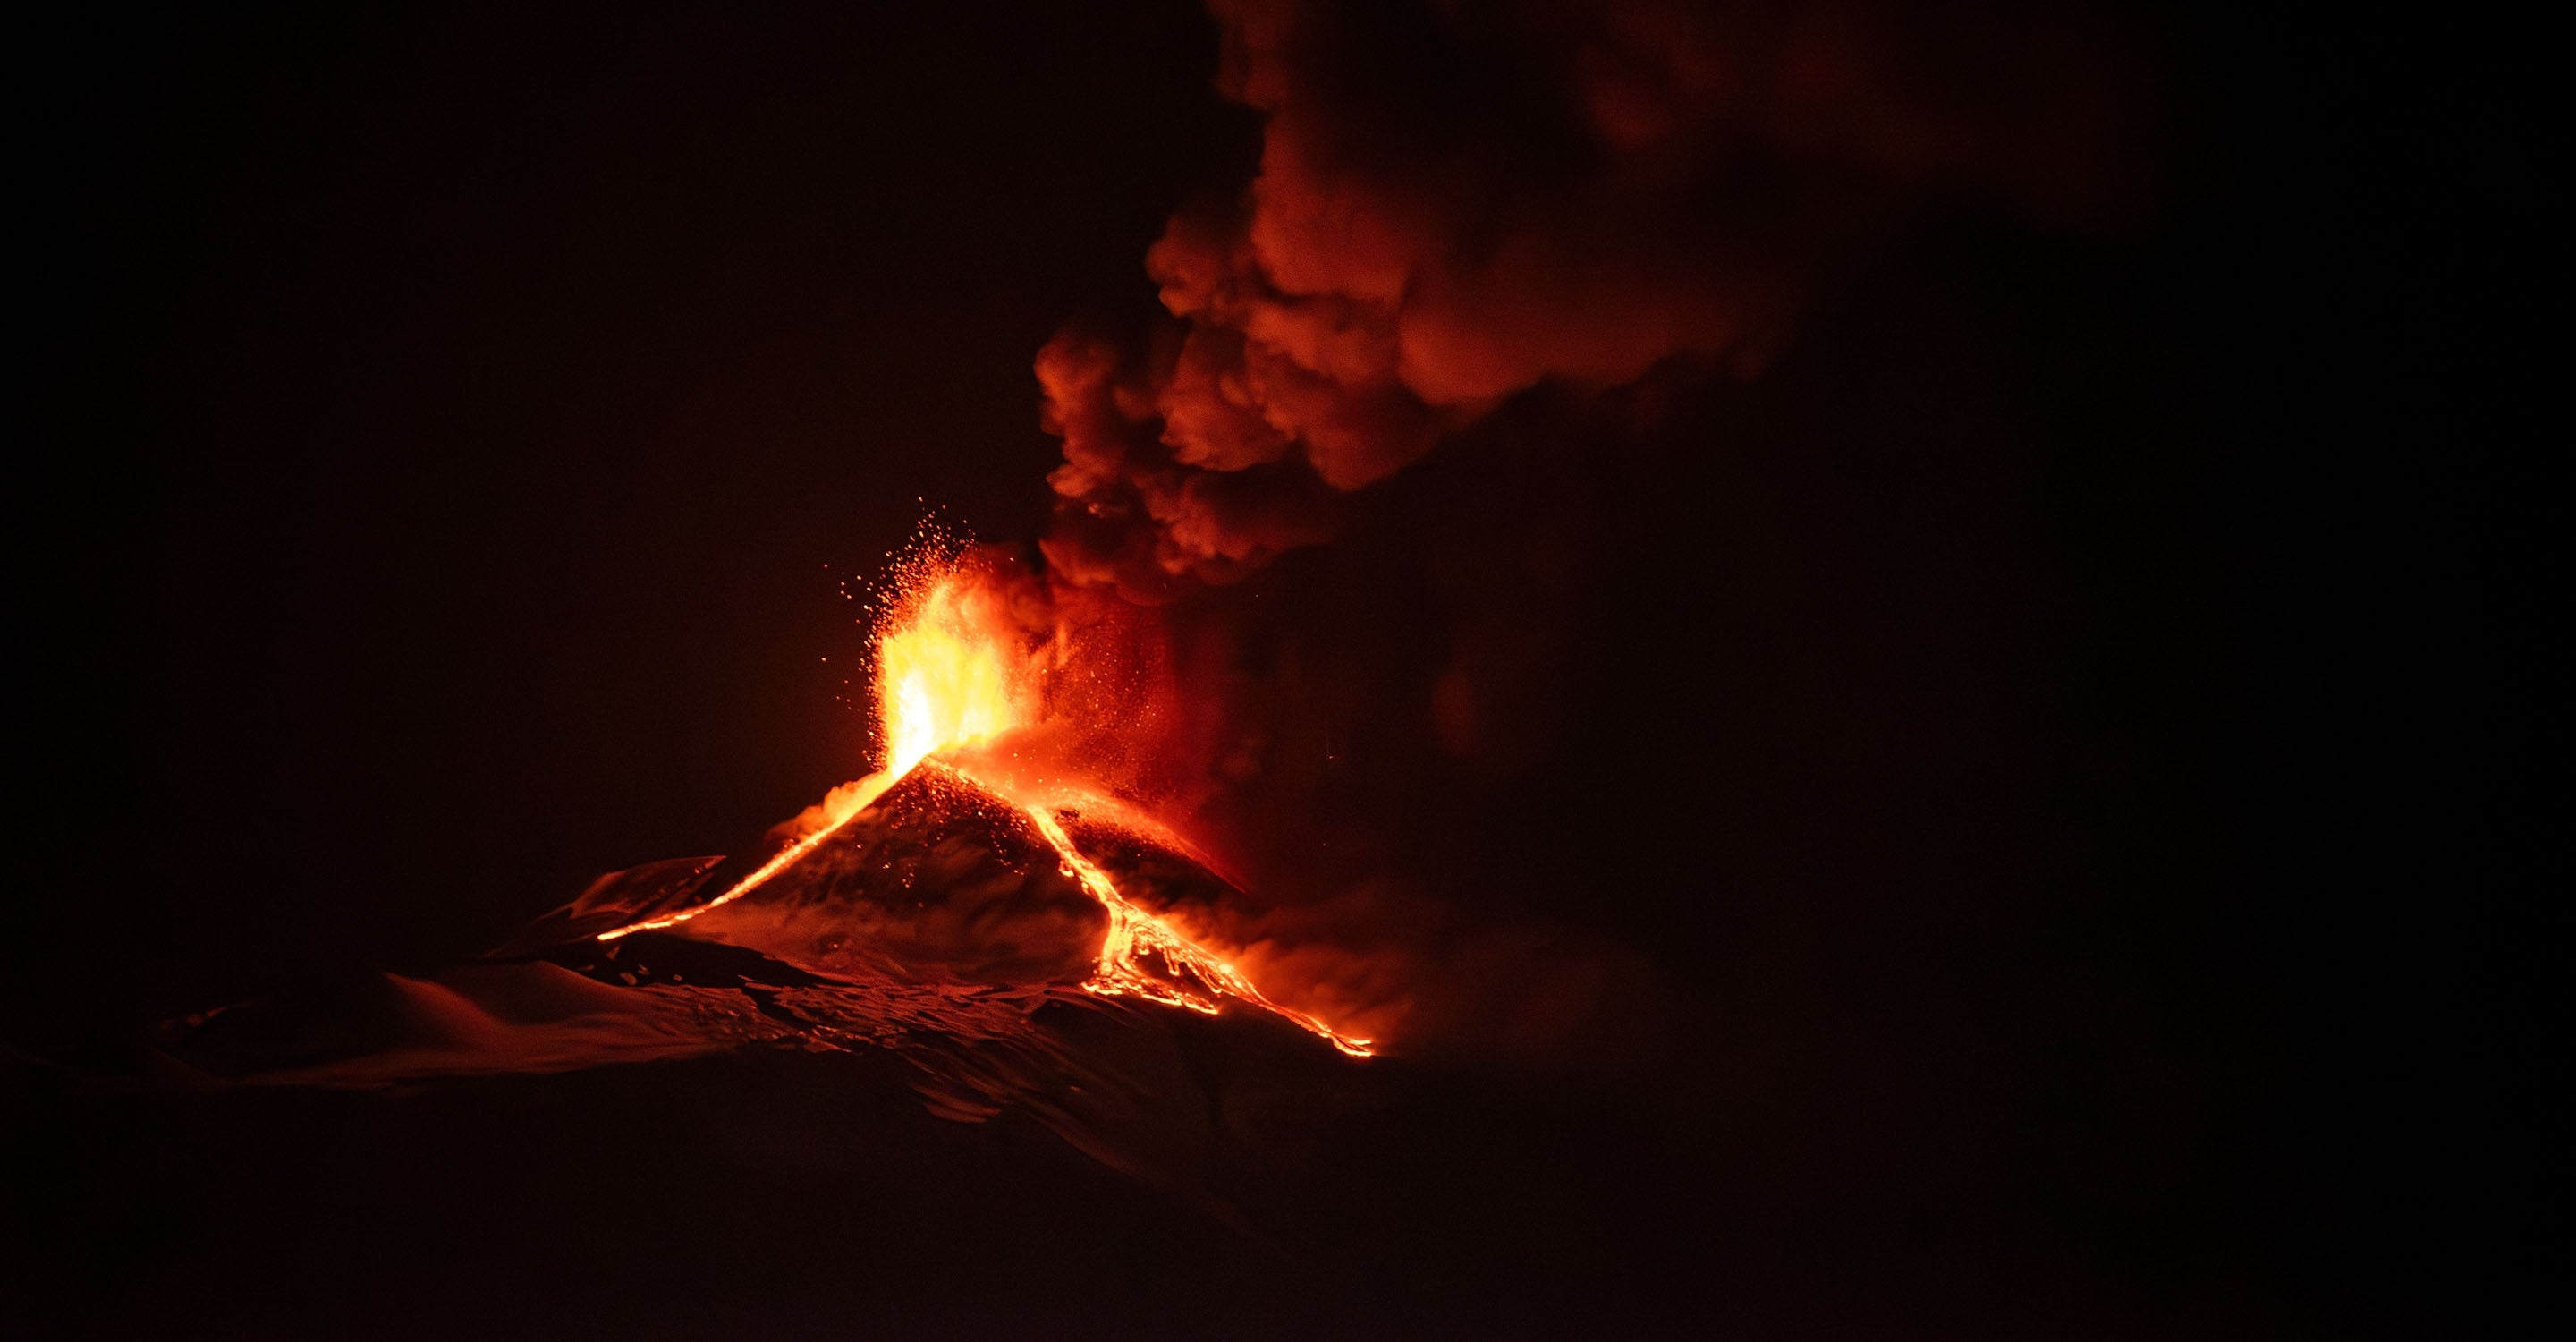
pixel 1458 201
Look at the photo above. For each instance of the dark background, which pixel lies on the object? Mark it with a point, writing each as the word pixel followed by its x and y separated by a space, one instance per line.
pixel 2084 818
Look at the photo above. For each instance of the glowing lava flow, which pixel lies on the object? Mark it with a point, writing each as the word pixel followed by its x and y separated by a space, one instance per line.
pixel 866 790
pixel 1133 933
pixel 947 678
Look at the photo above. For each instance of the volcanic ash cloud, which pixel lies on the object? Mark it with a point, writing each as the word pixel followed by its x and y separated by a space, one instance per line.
pixel 1456 203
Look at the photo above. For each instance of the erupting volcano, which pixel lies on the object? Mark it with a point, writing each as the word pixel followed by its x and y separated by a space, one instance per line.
pixel 960 694
pixel 1002 863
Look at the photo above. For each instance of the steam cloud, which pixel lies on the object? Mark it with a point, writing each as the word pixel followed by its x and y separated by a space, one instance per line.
pixel 1459 201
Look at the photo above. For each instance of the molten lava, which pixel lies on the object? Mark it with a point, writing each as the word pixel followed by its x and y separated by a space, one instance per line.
pixel 956 680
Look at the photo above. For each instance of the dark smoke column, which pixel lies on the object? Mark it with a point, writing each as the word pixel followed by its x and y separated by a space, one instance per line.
pixel 1458 202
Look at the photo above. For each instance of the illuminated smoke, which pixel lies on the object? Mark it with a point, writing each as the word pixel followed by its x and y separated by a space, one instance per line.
pixel 1457 202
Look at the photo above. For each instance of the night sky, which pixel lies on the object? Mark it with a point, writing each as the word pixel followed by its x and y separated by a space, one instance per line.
pixel 2042 754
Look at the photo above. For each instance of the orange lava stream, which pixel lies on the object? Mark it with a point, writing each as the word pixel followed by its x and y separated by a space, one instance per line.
pixel 870 789
pixel 1135 933
pixel 946 677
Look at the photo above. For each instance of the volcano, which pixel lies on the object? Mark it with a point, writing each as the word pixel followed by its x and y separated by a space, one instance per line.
pixel 979 909
pixel 986 943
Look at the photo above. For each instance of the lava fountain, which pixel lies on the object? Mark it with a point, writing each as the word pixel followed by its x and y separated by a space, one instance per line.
pixel 957 683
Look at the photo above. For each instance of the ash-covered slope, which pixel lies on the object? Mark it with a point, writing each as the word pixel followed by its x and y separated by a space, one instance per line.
pixel 939 925
pixel 937 881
